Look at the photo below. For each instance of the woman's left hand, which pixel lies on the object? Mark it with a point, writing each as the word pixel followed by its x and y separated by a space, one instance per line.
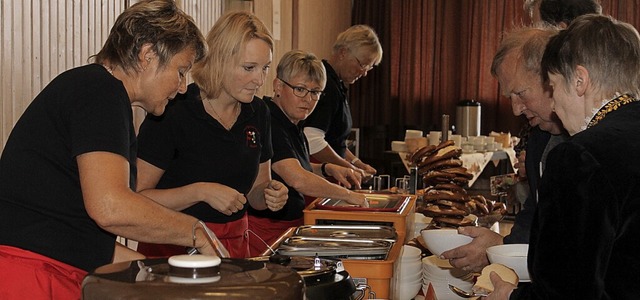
pixel 276 195
pixel 368 169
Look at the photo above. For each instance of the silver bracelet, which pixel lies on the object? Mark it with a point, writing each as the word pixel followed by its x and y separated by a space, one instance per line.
pixel 353 161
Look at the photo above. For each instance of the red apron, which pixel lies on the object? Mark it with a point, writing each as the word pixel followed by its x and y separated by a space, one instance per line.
pixel 28 275
pixel 269 231
pixel 230 234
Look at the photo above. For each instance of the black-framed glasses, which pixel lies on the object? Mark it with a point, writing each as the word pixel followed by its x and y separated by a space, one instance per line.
pixel 303 92
pixel 363 67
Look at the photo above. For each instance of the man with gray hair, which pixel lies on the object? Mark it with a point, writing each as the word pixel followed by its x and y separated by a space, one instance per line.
pixel 516 65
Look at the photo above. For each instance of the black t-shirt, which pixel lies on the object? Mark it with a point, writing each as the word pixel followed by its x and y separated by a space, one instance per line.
pixel 332 114
pixel 41 206
pixel 191 146
pixel 288 142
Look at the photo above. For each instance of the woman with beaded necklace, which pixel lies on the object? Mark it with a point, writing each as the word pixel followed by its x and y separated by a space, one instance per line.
pixel 587 224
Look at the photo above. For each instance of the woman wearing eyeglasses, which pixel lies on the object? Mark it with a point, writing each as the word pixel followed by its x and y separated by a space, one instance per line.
pixel 298 87
pixel 356 51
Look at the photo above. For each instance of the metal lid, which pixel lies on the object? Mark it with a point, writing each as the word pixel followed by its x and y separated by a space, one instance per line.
pixel 151 279
pixel 468 102
pixel 348 232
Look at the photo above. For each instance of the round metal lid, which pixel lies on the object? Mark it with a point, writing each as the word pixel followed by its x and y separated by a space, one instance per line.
pixel 194 261
pixel 152 279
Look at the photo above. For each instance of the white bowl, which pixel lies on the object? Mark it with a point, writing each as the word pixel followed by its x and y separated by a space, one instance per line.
pixel 410 269
pixel 444 293
pixel 408 291
pixel 513 256
pixel 441 240
pixel 448 274
pixel 410 277
pixel 410 252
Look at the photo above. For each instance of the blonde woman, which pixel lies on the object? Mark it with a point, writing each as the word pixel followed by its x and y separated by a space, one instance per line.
pixel 209 156
pixel 355 52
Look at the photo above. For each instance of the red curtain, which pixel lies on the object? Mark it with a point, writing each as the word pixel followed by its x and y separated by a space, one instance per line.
pixel 436 53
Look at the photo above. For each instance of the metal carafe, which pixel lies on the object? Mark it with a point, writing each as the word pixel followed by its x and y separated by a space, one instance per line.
pixel 468 118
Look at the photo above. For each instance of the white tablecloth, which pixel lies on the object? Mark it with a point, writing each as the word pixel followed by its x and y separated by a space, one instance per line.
pixel 475 162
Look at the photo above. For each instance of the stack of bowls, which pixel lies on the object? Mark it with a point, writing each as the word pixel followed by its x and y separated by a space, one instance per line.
pixel 439 273
pixel 408 273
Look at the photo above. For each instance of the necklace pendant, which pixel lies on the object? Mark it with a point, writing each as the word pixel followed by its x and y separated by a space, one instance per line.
pixel 221 120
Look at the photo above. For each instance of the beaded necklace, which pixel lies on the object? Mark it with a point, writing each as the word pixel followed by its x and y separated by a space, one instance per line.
pixel 612 105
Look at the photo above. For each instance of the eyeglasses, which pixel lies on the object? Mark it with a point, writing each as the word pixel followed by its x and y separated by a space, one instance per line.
pixel 363 67
pixel 303 92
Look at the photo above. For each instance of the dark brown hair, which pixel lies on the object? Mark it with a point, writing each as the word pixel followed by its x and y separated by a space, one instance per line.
pixel 157 22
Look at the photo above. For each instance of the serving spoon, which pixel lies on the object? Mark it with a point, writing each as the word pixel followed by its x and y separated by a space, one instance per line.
pixel 464 294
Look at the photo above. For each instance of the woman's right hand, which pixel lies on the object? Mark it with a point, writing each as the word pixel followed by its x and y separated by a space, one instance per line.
pixel 358 199
pixel 221 197
pixel 212 245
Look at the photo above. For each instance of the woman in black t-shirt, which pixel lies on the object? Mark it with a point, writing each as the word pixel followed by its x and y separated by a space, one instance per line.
pixel 209 155
pixel 68 169
pixel 298 86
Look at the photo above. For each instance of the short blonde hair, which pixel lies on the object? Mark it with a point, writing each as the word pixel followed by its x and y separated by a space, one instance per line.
pixel 298 62
pixel 226 39
pixel 359 37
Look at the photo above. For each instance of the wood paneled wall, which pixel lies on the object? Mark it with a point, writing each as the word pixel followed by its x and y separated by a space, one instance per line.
pixel 41 38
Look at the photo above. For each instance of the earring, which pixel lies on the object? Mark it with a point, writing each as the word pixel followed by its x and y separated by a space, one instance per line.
pixel 277 95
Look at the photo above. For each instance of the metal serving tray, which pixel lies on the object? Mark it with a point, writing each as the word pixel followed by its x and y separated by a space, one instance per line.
pixel 348 232
pixel 377 202
pixel 337 248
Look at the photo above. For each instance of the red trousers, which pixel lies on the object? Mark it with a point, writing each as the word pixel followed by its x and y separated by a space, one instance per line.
pixel 230 234
pixel 28 275
pixel 269 231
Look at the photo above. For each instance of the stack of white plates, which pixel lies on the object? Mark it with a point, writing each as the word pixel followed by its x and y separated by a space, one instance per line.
pixel 439 273
pixel 408 273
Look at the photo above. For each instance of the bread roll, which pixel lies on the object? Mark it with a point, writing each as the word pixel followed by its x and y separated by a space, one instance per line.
pixel 483 282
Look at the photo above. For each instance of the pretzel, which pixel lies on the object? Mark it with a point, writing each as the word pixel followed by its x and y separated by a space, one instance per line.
pixel 443 195
pixel 438 211
pixel 444 153
pixel 420 152
pixel 442 164
pixel 450 187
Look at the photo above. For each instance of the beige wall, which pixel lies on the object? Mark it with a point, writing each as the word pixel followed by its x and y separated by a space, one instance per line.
pixel 303 25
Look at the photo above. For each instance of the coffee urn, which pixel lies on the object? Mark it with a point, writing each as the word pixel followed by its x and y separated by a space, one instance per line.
pixel 468 118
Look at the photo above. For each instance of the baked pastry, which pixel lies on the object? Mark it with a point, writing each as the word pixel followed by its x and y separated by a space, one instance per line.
pixel 417 155
pixel 483 282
